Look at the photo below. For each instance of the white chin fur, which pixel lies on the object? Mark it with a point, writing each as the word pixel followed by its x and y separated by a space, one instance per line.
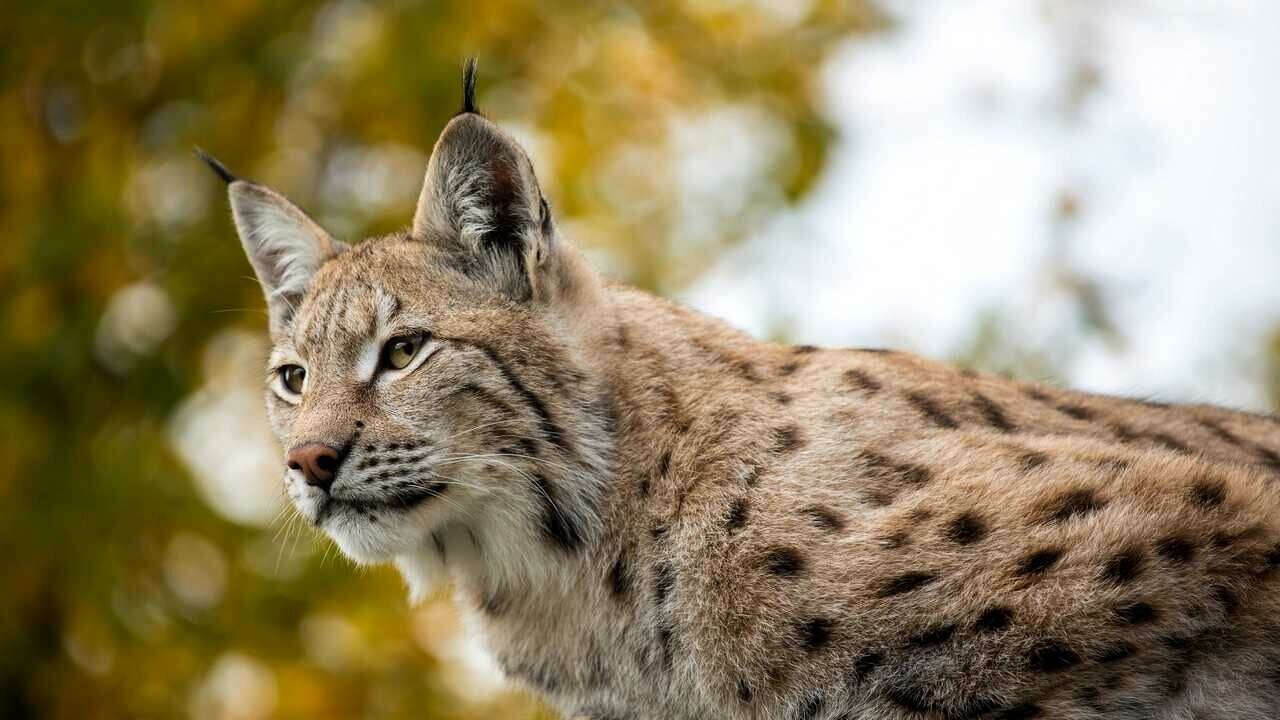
pixel 423 572
pixel 368 544
pixel 359 549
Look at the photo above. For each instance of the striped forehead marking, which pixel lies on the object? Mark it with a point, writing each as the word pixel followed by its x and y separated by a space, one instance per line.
pixel 386 307
pixel 346 314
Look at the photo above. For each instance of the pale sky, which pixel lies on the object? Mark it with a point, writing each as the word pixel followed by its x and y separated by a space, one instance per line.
pixel 937 202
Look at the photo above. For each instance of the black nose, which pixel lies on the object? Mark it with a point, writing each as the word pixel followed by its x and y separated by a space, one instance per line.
pixel 317 462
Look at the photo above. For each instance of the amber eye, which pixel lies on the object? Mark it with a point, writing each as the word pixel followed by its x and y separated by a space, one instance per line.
pixel 399 351
pixel 292 377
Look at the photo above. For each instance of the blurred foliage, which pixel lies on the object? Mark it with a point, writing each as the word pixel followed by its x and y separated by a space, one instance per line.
pixel 127 594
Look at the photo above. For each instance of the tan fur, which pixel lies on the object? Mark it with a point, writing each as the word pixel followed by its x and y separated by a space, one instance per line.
pixel 647 514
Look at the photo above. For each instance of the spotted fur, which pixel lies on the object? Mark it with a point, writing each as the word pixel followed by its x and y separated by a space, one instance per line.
pixel 650 515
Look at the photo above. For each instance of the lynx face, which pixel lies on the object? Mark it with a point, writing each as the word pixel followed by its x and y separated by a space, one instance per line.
pixel 404 421
pixel 430 382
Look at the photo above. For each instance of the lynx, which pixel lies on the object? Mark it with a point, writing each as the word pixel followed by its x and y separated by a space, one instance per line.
pixel 648 514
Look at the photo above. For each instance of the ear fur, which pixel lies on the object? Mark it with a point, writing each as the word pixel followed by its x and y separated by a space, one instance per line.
pixel 284 245
pixel 481 200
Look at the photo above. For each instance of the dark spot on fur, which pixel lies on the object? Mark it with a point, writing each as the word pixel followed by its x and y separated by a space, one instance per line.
pixel 537 676
pixel 879 498
pixel 992 413
pixel 815 633
pixel 931 411
pixel 664 580
pixel 805 349
pixel 1272 557
pixel 1226 598
pixel 1116 466
pixel 1052 656
pixel 1115 653
pixel 1076 411
pixel 911 697
pixel 1222 433
pixel 966 529
pixel 666 637
pixel 1168 441
pixel 619 579
pixel 1031 460
pixel 1123 433
pixel 905 583
pixel 494 603
pixel 784 562
pixel 1226 539
pixel 1071 504
pixel 824 517
pixel 1135 613
pixel 1038 562
pixel 925 700
pixel 787 439
pixel 866 663
pixel 1025 711
pixel 1208 494
pixel 737 514
pixel 1124 567
pixel 664 464
pixel 1037 394
pixel 996 618
pixel 672 410
pixel 915 475
pixel 1178 666
pixel 1176 549
pixel 886 477
pixel 744 691
pixel 895 540
pixel 1267 457
pixel 781 398
pixel 561 529
pixel 789 368
pixel 746 370
pixel 862 381
pixel 740 366
pixel 932 636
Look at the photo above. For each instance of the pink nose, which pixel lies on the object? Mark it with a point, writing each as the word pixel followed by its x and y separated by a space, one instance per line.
pixel 317 462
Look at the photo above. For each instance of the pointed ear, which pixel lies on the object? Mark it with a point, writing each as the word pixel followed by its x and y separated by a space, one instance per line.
pixel 481 201
pixel 285 247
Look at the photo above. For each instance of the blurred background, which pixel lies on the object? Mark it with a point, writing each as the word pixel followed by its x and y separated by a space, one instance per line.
pixel 1082 191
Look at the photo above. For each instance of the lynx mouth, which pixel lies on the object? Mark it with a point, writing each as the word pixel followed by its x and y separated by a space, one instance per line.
pixel 402 499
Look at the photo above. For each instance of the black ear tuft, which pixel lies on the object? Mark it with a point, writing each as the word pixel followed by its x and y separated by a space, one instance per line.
pixel 218 168
pixel 469 87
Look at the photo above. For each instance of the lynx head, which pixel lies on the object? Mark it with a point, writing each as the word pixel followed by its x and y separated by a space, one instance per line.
pixel 434 390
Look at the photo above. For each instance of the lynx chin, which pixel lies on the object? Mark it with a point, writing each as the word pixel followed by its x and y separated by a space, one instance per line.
pixel 648 514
